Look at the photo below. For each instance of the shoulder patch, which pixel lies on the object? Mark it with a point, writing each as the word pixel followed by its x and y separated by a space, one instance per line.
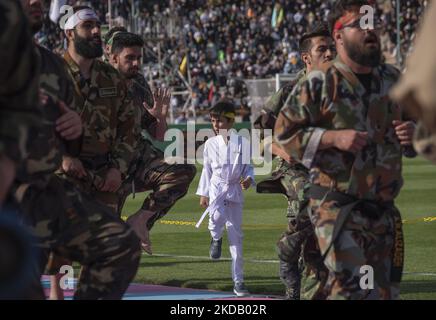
pixel 107 92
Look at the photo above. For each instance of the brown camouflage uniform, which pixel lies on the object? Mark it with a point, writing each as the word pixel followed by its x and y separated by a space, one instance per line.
pixel 64 220
pixel 18 83
pixel 108 118
pixel 149 171
pixel 289 180
pixel 351 196
pixel 20 119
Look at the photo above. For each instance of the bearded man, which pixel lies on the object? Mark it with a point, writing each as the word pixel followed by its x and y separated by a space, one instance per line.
pixel 107 112
pixel 345 129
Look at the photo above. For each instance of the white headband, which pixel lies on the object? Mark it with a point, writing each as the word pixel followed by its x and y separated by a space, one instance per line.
pixel 81 15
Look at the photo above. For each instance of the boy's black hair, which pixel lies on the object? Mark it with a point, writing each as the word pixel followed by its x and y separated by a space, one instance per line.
pixel 223 108
pixel 342 6
pixel 125 40
pixel 319 30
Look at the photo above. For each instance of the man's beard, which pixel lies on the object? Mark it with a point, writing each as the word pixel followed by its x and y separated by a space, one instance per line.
pixel 87 48
pixel 35 26
pixel 131 74
pixel 35 21
pixel 362 54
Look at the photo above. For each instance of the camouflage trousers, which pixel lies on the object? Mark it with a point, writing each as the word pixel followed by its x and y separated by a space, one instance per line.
pixel 290 180
pixel 364 239
pixel 167 182
pixel 89 185
pixel 289 252
pixel 76 227
pixel 301 267
pixel 314 272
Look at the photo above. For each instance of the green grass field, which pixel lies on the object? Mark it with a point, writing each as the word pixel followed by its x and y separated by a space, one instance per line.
pixel 180 251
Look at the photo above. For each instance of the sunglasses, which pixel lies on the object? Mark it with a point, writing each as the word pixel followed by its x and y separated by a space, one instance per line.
pixel 356 24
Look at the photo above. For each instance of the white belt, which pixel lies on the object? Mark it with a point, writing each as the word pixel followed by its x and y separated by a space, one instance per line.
pixel 221 196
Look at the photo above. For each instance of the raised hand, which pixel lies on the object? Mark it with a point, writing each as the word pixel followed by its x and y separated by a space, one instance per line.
pixel 162 97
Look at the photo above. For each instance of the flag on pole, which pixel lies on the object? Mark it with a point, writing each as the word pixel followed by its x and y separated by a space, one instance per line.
pixel 221 56
pixel 184 65
pixel 274 17
pixel 55 8
pixel 280 17
pixel 211 92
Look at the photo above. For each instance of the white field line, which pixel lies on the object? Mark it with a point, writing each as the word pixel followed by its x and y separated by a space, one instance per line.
pixel 208 258
pixel 164 255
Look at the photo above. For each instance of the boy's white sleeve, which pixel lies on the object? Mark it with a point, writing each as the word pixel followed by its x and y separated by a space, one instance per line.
pixel 247 156
pixel 206 175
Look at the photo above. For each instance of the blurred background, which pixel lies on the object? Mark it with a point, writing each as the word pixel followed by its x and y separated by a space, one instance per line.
pixel 208 49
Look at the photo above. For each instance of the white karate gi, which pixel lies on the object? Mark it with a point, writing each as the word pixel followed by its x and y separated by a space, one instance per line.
pixel 224 166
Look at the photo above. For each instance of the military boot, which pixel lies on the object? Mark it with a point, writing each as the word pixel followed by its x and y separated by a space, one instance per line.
pixel 290 276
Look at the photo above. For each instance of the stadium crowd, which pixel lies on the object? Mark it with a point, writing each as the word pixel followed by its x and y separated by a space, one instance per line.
pixel 225 42
pixel 78 130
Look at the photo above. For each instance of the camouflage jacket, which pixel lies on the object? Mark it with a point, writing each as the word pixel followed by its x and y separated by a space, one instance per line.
pixel 19 76
pixel 107 114
pixel 139 92
pixel 270 111
pixel 283 178
pixel 337 100
pixel 47 147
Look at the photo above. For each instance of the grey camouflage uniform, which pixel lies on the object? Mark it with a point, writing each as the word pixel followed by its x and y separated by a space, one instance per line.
pixel 288 179
pixel 65 220
pixel 149 171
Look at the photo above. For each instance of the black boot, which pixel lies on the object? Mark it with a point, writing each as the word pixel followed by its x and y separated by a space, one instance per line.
pixel 290 276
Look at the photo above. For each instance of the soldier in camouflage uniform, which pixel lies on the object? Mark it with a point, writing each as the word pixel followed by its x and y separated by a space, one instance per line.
pixel 148 171
pixel 106 244
pixel 343 126
pixel 290 177
pixel 58 216
pixel 56 83
pixel 18 92
pixel 108 40
pixel 416 89
pixel 20 118
pixel 108 115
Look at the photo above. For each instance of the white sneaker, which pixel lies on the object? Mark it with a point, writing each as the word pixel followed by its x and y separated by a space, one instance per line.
pixel 240 290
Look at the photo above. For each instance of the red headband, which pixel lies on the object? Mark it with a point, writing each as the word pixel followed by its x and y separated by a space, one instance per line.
pixel 344 20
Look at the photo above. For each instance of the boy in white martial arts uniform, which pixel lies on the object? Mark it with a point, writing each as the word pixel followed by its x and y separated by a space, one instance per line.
pixel 226 171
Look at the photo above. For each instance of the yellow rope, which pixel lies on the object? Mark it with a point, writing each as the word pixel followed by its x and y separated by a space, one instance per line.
pixel 263 226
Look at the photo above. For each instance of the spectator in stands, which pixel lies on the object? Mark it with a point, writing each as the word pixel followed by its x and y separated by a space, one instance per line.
pixel 181 118
pixel 226 39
